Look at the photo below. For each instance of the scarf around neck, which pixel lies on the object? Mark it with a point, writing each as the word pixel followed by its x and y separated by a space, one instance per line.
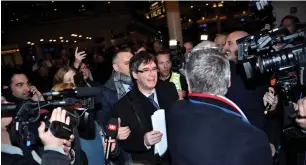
pixel 119 80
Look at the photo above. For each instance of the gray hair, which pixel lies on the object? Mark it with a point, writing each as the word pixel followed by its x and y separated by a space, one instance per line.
pixel 207 69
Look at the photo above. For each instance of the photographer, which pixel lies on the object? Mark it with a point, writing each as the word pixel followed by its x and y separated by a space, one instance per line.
pixel 54 148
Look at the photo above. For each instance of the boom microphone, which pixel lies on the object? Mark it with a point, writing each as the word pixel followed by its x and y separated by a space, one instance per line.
pixel 111 133
pixel 77 92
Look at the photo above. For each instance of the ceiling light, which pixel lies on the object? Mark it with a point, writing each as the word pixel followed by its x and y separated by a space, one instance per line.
pixel 191 6
pixel 75 41
pixel 16 19
pixel 50 40
pixel 108 2
pixel 54 40
pixel 55 9
pixel 148 17
pixel 32 43
pixel 203 18
pixel 82 5
pixel 72 35
pixel 222 2
pixel 61 38
pixel 67 41
pixel 206 4
pixel 28 42
pixel 189 20
pixel 214 5
pixel 41 39
pixel 90 38
pixel 12 20
pixel 87 37
pixel 80 36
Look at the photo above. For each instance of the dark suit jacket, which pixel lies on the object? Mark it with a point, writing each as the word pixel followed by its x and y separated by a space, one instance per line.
pixel 199 134
pixel 135 111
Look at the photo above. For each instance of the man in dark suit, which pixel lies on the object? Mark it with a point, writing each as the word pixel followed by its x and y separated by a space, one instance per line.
pixel 137 106
pixel 209 129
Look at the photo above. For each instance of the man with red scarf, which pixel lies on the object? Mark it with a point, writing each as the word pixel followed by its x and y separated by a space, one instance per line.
pixel 209 128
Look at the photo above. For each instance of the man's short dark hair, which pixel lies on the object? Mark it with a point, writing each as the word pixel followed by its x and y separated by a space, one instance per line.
pixel 120 50
pixel 11 74
pixel 138 59
pixel 294 19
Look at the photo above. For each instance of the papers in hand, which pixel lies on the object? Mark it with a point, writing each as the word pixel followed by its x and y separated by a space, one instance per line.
pixel 159 124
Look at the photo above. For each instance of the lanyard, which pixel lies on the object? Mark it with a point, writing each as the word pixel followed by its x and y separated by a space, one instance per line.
pixel 241 116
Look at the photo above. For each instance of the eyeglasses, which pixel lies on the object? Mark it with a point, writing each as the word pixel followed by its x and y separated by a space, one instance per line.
pixel 147 71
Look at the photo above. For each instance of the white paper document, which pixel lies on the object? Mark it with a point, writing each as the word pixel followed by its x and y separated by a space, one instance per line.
pixel 159 124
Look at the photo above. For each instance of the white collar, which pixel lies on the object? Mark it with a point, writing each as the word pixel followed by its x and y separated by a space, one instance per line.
pixel 147 95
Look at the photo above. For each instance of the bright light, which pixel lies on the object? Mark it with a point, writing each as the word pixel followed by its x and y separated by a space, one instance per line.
pixel 220 5
pixel 29 42
pixel 55 9
pixel 108 2
pixel 80 36
pixel 90 38
pixel 172 43
pixel 82 5
pixel 215 5
pixel 189 20
pixel 75 41
pixel 16 19
pixel 54 40
pixel 32 43
pixel 191 6
pixel 12 20
pixel 204 37
pixel 50 40
pixel 222 2
pixel 203 18
pixel 67 41
pixel 72 35
pixel 41 40
pixel 61 38
pixel 206 4
pixel 148 17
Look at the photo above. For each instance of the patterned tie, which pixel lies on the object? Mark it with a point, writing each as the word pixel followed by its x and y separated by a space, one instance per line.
pixel 151 97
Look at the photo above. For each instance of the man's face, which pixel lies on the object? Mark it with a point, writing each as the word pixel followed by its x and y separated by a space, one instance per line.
pixel 146 76
pixel 122 63
pixel 163 64
pixel 220 40
pixel 288 23
pixel 157 47
pixel 85 71
pixel 231 45
pixel 188 46
pixel 20 87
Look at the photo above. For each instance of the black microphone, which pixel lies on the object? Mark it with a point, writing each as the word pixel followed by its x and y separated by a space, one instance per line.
pixel 11 109
pixel 77 92
pixel 111 133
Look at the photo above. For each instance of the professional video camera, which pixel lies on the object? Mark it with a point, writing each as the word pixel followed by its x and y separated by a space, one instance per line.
pixel 269 52
pixel 176 54
pixel 28 114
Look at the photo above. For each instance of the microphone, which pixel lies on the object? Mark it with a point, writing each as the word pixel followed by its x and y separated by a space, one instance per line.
pixel 111 133
pixel 77 92
pixel 11 109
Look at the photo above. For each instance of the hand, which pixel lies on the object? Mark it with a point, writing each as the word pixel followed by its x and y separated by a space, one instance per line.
pixel 271 99
pixel 36 94
pixel 123 132
pixel 48 139
pixel 272 149
pixel 301 120
pixel 113 142
pixel 181 94
pixel 78 56
pixel 152 138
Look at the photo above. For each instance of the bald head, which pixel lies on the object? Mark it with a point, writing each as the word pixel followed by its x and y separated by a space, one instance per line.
pixel 231 44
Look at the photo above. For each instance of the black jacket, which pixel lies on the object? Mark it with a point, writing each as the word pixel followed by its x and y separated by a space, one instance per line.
pixel 135 111
pixel 201 134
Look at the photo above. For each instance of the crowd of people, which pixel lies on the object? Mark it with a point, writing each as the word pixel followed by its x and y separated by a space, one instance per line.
pixel 213 115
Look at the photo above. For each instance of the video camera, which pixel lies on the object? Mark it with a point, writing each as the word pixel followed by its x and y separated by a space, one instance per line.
pixel 29 113
pixel 176 54
pixel 269 52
